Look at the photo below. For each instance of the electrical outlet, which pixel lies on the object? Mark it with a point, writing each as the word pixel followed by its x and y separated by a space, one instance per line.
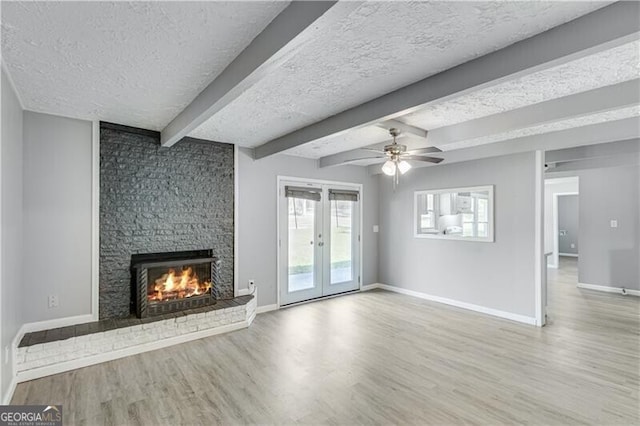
pixel 53 301
pixel 252 285
pixel 376 228
pixel 614 223
pixel 573 245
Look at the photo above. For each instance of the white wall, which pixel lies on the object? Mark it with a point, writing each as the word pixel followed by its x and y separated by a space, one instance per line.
pixel 11 271
pixel 554 186
pixel 57 216
pixel 257 244
pixel 498 275
pixel 610 256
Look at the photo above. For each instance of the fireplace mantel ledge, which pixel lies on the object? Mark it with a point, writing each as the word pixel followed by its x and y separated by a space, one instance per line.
pixel 44 359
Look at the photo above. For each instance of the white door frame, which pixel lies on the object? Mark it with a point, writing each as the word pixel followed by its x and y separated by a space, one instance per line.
pixel 279 181
pixel 556 230
pixel 539 259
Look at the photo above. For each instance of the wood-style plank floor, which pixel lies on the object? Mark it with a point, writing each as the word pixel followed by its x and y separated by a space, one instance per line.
pixel 378 358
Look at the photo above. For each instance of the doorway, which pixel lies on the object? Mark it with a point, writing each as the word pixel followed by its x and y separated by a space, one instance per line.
pixel 319 239
pixel 568 225
pixel 553 189
pixel 565 226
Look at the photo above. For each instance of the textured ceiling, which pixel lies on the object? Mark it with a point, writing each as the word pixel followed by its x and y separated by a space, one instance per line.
pixel 359 137
pixel 134 63
pixel 141 63
pixel 585 120
pixel 602 69
pixel 372 49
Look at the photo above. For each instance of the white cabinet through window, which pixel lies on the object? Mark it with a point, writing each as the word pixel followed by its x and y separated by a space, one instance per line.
pixel 460 213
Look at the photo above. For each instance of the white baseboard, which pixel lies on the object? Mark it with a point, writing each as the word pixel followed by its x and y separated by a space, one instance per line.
pixel 608 289
pixel 568 254
pixel 367 287
pixel 35 373
pixel 14 351
pixel 464 305
pixel 266 308
pixel 6 400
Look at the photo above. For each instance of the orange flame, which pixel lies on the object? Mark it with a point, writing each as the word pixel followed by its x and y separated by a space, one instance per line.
pixel 172 286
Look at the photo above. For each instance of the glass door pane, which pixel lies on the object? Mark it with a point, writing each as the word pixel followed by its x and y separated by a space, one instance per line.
pixel 301 264
pixel 319 243
pixel 342 230
pixel 341 241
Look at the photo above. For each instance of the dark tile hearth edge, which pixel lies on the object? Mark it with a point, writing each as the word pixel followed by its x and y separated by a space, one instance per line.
pixel 154 200
pixel 63 333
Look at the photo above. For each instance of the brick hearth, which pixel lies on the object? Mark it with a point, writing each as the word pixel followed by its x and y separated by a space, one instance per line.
pixel 53 351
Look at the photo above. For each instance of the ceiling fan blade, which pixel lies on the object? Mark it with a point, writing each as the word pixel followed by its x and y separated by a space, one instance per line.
pixel 364 158
pixel 426 150
pixel 422 158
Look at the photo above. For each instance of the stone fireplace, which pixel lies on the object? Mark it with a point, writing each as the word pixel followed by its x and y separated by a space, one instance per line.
pixel 167 201
pixel 163 283
pixel 166 255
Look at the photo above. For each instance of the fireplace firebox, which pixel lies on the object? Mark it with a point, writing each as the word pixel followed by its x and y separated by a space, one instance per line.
pixel 162 283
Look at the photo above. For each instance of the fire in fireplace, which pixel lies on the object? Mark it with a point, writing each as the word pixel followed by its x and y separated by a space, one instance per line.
pixel 169 282
pixel 177 285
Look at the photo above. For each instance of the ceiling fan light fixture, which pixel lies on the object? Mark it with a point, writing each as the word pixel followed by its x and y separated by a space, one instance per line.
pixel 404 167
pixel 389 168
pixel 396 155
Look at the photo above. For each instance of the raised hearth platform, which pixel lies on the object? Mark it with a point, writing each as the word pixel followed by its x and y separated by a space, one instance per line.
pixel 53 351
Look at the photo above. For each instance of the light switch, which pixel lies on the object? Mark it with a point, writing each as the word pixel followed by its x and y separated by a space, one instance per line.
pixel 376 228
pixel 614 223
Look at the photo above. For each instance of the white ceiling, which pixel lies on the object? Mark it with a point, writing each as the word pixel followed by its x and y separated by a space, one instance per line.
pixel 355 138
pixel 142 63
pixel 570 123
pixel 602 69
pixel 133 63
pixel 373 49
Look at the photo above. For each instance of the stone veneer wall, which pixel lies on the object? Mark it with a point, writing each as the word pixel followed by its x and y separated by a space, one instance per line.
pixel 154 200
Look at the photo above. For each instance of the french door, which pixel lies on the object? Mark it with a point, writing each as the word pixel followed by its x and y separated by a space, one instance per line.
pixel 319 240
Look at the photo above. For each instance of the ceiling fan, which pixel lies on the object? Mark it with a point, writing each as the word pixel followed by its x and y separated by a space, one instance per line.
pixel 397 156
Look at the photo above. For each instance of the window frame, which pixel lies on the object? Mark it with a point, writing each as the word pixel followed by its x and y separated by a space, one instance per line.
pixel 490 214
pixel 432 210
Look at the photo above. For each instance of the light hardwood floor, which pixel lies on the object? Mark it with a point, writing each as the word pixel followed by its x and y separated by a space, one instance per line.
pixel 378 357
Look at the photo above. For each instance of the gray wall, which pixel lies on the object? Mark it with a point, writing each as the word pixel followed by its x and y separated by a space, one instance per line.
pixel 11 271
pixel 609 256
pixel 57 216
pixel 554 186
pixel 257 216
pixel 497 275
pixel 155 200
pixel 568 221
